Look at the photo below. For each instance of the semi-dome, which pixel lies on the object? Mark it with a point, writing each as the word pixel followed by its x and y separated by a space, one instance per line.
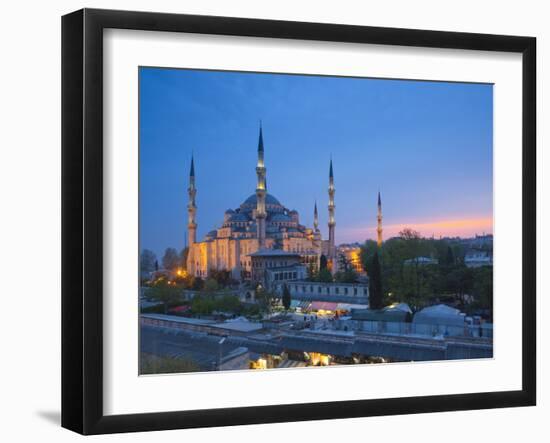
pixel 237 217
pixel 281 218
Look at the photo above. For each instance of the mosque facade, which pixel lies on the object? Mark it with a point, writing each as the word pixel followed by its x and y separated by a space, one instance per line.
pixel 260 224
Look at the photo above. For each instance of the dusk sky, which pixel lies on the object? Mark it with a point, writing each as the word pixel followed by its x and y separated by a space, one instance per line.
pixel 426 145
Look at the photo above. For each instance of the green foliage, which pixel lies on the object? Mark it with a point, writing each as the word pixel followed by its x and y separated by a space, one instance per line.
pixel 153 364
pixel 323 263
pixel 422 284
pixel 347 276
pixel 266 299
pixel 343 263
pixel 210 285
pixel 197 284
pixel 482 288
pixel 207 304
pixel 312 273
pixel 367 252
pixel 286 297
pixel 322 274
pixel 325 276
pixel 164 293
pixel 450 258
pixel 171 259
pixel 222 277
pixel 250 310
pixel 228 303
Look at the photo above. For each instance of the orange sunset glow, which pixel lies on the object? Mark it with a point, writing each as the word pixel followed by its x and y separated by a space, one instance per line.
pixel 459 227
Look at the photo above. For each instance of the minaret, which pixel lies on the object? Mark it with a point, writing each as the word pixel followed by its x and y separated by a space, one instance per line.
pixel 331 222
pixel 191 207
pixel 260 193
pixel 315 218
pixel 379 219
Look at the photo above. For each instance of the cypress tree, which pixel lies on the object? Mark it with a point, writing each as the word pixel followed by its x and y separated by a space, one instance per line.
pixel 375 283
pixel 286 297
pixel 323 263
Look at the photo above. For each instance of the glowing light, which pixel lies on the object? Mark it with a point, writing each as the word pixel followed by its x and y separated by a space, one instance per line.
pixel 261 363
pixel 181 273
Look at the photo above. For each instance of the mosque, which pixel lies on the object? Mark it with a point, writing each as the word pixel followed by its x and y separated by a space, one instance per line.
pixel 260 227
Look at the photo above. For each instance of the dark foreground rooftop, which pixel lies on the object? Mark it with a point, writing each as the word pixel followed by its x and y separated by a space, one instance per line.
pixel 204 350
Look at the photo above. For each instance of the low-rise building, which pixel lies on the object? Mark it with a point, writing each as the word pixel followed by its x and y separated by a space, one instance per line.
pixel 476 259
pixel 328 292
pixel 273 267
pixel 396 312
pixel 441 315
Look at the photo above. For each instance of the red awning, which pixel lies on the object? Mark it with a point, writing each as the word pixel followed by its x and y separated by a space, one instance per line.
pixel 323 305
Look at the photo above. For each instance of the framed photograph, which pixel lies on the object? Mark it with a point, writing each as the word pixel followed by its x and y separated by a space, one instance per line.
pixel 269 221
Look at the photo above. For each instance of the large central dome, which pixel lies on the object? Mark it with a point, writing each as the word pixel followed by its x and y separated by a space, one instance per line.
pixel 253 200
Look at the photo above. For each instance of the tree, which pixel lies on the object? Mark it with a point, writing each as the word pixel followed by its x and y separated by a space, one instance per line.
pixel 312 274
pixel 171 259
pixel 375 283
pixel 483 288
pixel 266 299
pixel 164 293
pixel 222 277
pixel 409 234
pixel 323 264
pixel 197 284
pixel 450 257
pixel 348 276
pixel 459 281
pixel 286 297
pixel 210 285
pixel 367 251
pixel 147 261
pixel 325 276
pixel 228 303
pixel 345 264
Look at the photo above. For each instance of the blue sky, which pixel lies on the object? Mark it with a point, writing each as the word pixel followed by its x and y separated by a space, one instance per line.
pixel 426 145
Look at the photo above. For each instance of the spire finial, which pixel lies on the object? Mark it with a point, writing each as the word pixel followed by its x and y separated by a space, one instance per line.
pixel 261 139
pixel 315 217
pixel 379 199
pixel 331 174
pixel 192 170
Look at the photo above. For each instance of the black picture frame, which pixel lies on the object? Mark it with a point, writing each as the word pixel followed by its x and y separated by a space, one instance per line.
pixel 82 218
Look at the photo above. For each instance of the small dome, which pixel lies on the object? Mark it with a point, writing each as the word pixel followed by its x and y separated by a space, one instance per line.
pixel 237 217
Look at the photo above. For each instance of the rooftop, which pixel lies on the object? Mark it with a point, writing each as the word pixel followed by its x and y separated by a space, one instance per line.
pixel 239 325
pixel 206 351
pixel 273 253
